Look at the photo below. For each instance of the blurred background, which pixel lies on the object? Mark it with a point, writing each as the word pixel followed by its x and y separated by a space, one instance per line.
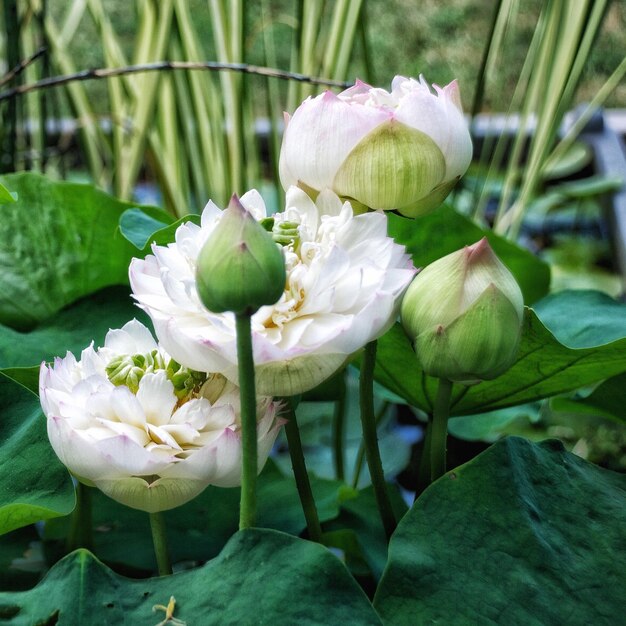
pixel 176 138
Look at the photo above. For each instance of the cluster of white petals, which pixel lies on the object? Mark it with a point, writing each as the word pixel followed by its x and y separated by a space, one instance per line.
pixel 345 278
pixel 385 149
pixel 148 433
pixel 436 111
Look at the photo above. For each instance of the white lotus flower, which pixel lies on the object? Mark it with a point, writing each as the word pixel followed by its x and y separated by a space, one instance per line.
pixel 404 149
pixel 149 433
pixel 345 278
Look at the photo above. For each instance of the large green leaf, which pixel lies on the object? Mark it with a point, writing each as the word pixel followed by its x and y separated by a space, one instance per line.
pixel 607 400
pixel 261 577
pixel 198 530
pixel 432 236
pixel 7 196
pixel 544 367
pixel 33 483
pixel 583 318
pixel 523 535
pixel 144 225
pixel 492 425
pixel 138 224
pixel 60 241
pixel 72 329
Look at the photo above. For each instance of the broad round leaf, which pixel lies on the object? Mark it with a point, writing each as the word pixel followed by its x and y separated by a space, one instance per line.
pixel 60 242
pixel 261 577
pixel 33 483
pixel 524 534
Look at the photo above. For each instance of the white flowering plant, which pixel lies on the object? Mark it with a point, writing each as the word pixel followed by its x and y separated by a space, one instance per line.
pixel 280 402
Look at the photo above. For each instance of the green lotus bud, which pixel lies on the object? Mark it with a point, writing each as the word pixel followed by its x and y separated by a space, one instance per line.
pixel 464 314
pixel 240 268
pixel 129 369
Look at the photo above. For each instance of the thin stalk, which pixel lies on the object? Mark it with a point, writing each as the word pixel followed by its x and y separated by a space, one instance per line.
pixel 43 100
pixel 95 143
pixel 302 478
pixel 612 82
pixel 8 158
pixel 360 456
pixel 439 431
pixel 227 30
pixel 154 33
pixel 424 476
pixel 159 539
pixel 368 65
pixel 247 394
pixel 273 98
pixel 482 72
pixel 346 47
pixel 207 119
pixel 339 435
pixel 370 439
pixel 80 534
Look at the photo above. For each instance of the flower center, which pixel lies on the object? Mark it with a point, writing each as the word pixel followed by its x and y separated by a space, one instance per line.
pixel 292 300
pixel 129 369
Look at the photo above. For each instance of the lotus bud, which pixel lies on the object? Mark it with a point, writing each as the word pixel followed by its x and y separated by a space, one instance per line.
pixel 464 314
pixel 240 268
pixel 403 149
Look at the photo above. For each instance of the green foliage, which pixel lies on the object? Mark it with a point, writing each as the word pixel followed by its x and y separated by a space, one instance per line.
pixel 198 530
pixel 144 225
pixel 598 320
pixel 33 483
pixel 59 244
pixel 138 224
pixel 432 236
pixel 544 366
pixel 6 196
pixel 71 329
pixel 607 400
pixel 276 578
pixel 523 534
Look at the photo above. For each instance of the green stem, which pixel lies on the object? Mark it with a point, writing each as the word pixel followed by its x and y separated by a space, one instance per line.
pixel 424 472
pixel 159 539
pixel 247 394
pixel 370 439
pixel 80 534
pixel 360 456
pixel 302 478
pixel 439 433
pixel 339 433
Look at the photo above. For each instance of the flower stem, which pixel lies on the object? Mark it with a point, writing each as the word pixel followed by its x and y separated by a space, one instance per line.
pixel 339 433
pixel 439 431
pixel 424 472
pixel 370 439
pixel 247 394
pixel 80 534
pixel 360 456
pixel 302 478
pixel 159 539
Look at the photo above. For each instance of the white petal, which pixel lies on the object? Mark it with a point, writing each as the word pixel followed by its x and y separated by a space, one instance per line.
pixel 320 134
pixel 79 455
pixel 126 407
pixel 254 203
pixel 132 338
pixel 157 398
